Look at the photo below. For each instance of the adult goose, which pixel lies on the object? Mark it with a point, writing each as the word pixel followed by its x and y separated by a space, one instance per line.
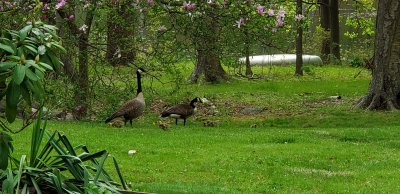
pixel 181 111
pixel 133 108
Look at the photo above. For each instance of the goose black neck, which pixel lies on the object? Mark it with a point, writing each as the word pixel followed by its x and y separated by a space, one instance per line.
pixel 192 102
pixel 139 82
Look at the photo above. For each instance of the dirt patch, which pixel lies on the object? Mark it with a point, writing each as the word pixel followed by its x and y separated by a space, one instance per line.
pixel 323 102
pixel 322 172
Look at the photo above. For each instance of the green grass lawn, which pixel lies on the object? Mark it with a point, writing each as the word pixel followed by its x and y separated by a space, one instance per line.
pixel 302 142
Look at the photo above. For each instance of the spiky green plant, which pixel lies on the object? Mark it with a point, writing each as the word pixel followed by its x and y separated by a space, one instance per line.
pixel 56 165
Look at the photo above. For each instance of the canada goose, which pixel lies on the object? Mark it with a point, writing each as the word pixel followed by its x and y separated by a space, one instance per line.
pixel 181 111
pixel 133 108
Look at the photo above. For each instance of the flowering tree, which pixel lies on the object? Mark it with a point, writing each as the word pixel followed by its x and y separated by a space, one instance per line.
pixel 156 32
pixel 210 21
pixel 121 24
pixel 80 28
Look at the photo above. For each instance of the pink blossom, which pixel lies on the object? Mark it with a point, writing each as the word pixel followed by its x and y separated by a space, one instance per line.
pixel 274 30
pixel 1 8
pixel 70 18
pixel 240 22
pixel 279 22
pixel 298 17
pixel 60 4
pixel 260 10
pixel 150 2
pixel 188 6
pixel 280 17
pixel 45 7
pixel 281 12
pixel 162 29
pixel 43 16
pixel 271 12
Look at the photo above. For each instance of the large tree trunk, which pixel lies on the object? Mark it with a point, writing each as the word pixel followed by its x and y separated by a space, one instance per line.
pixel 384 90
pixel 326 26
pixel 299 40
pixel 208 52
pixel 120 34
pixel 334 10
pixel 213 71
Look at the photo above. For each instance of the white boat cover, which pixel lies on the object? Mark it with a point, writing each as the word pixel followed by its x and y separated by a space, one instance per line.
pixel 281 59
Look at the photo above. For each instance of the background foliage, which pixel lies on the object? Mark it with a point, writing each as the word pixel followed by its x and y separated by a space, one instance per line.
pixel 162 37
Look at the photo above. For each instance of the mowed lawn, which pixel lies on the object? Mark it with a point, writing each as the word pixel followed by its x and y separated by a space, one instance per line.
pixel 302 140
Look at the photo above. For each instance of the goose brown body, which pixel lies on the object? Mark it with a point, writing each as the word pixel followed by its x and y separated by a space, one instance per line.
pixel 181 111
pixel 133 108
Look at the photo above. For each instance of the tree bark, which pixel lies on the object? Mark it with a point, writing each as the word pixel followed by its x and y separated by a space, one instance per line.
pixel 334 11
pixel 384 90
pixel 249 72
pixel 299 40
pixel 325 25
pixel 199 68
pixel 82 90
pixel 120 34
pixel 208 52
pixel 68 67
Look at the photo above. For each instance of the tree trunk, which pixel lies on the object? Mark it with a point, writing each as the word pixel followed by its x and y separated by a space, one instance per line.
pixel 249 72
pixel 334 10
pixel 120 34
pixel 68 67
pixel 325 24
pixel 384 90
pixel 82 91
pixel 208 52
pixel 198 70
pixel 82 83
pixel 299 40
pixel 213 71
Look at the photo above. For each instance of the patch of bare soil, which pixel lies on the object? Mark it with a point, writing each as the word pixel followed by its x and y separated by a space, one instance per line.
pixel 324 102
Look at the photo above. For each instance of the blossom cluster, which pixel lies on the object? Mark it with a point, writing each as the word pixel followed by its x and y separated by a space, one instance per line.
pixel 260 10
pixel 7 4
pixel 279 15
pixel 60 4
pixel 298 17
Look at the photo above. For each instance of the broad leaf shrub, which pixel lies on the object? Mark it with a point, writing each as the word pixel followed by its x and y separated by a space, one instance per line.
pixel 53 165
pixel 25 56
